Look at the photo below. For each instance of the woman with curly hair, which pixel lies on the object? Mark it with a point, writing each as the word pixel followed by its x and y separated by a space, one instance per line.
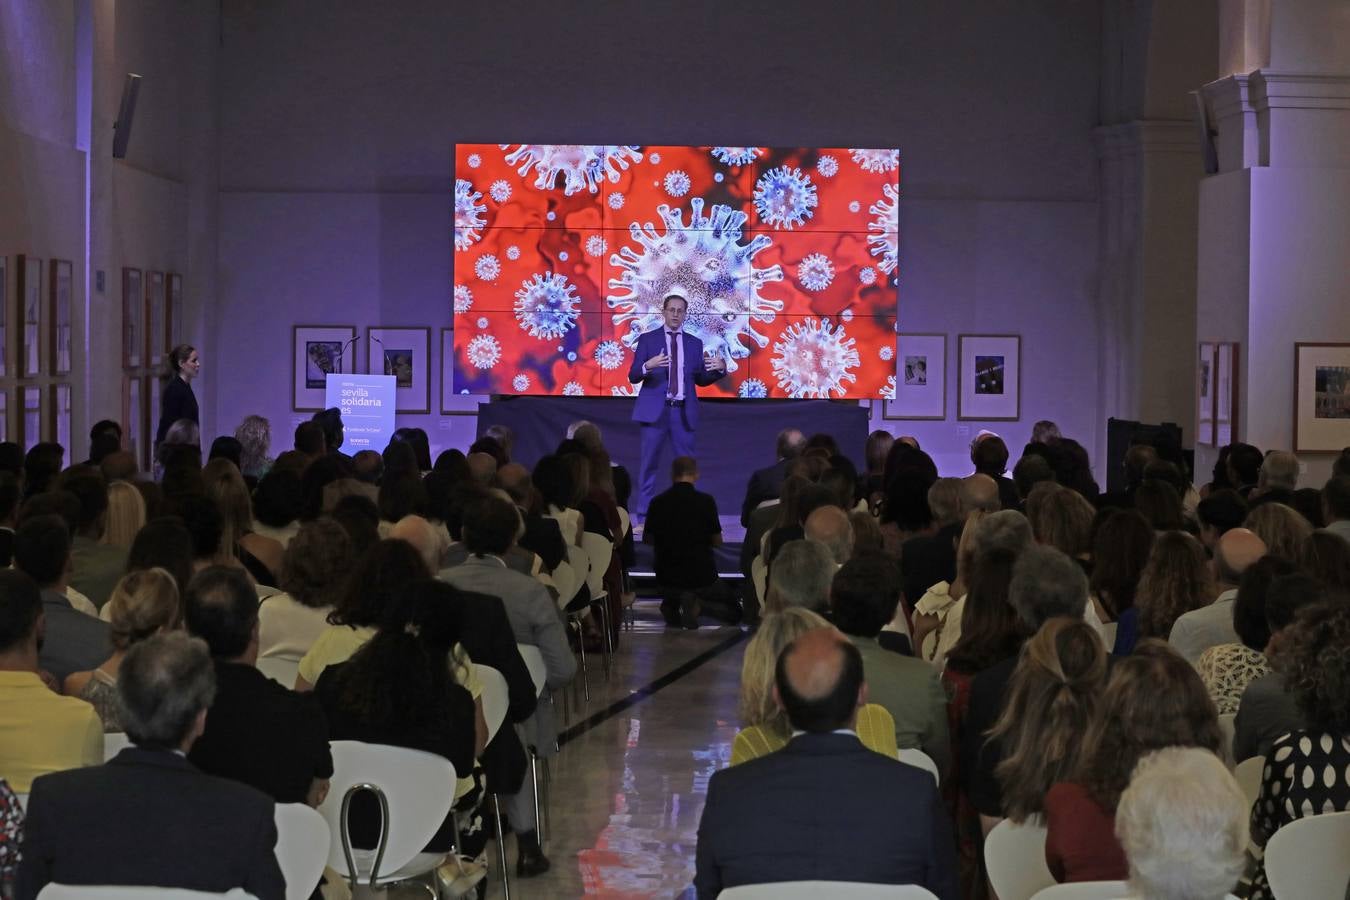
pixel 1175 581
pixel 254 435
pixel 1326 557
pixel 1153 699
pixel 313 571
pixel 1308 771
pixel 1282 527
pixel 1062 519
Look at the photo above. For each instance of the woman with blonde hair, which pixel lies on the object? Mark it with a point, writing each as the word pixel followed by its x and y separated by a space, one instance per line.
pixel 1061 518
pixel 260 555
pixel 1176 580
pixel 126 514
pixel 1282 527
pixel 255 439
pixel 143 603
pixel 1052 697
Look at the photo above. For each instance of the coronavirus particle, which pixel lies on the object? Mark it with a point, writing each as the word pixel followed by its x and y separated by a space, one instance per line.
pixel 487 267
pixel 469 219
pixel 623 390
pixel 500 190
pixel 513 252
pixel 706 263
pixel 827 166
pixel 737 156
pixel 784 197
pixel 888 392
pixel 885 229
pixel 867 275
pixel 753 389
pixel 546 306
pixel 815 272
pixel 463 298
pixel 677 183
pixel 609 354
pixel 482 322
pixel 596 245
pixel 573 389
pixel 876 160
pixel 813 359
pixel 887 353
pixel 521 382
pixel 475 160
pixel 582 166
pixel 846 315
pixel 484 351
pixel 616 200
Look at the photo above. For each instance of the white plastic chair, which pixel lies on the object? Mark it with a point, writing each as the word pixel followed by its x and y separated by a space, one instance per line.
pixel 280 669
pixel 759 577
pixel 920 760
pixel 566 580
pixel 415 790
pixel 1014 856
pixel 102 892
pixel 303 843
pixel 599 550
pixel 534 662
pixel 1248 774
pixel 496 697
pixel 625 524
pixel 1085 890
pixel 810 890
pixel 1308 859
pixel 114 742
pixel 1226 732
pixel 23 802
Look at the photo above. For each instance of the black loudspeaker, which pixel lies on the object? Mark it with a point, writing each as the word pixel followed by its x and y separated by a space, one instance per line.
pixel 1122 434
pixel 125 112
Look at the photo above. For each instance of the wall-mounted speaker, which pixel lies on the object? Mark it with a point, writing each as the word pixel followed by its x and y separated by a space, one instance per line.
pixel 131 86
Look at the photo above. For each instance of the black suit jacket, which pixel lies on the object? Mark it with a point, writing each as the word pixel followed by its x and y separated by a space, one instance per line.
pixel 543 538
pixel 765 484
pixel 824 807
pixel 927 559
pixel 149 818
pixel 485 632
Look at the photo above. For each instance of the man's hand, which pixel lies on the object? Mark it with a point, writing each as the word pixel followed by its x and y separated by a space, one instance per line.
pixel 714 363
pixel 656 362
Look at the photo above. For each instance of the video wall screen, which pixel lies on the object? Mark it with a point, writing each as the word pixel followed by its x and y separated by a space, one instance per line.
pixel 787 258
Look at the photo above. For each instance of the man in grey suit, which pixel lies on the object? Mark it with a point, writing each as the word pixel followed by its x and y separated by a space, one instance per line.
pixel 75 642
pixel 491 526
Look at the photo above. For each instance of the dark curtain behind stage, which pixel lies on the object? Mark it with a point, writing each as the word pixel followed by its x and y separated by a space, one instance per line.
pixel 735 437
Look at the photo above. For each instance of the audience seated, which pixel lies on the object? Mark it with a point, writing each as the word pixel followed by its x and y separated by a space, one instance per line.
pixel 875 451
pixel 766 483
pixel 314 570
pixel 989 456
pixel 1196 631
pixel 759 710
pixel 1219 513
pixel 1308 770
pixel 149 817
pixel 1136 460
pixel 254 435
pixel 1336 505
pixel 95 565
pixel 800 577
pixel 829 525
pixel 1153 699
pixel 74 641
pixel 1227 669
pixel 258 732
pixel 905 512
pixel 931 559
pixel 9 516
pixel 1243 468
pixel 1326 557
pixel 126 515
pixel 40 731
pixel 1276 480
pixel 683 528
pixel 542 535
pixel 1120 551
pixel 1160 505
pixel 360 518
pixel 863 597
pixel 164 543
pixel 143 604
pixel 259 554
pixel 1182 823
pixel 1176 580
pixel 277 502
pixel 1281 527
pixel 1062 519
pixel 824 806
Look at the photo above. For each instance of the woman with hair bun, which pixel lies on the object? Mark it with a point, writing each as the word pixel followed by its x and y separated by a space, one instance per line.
pixel 176 400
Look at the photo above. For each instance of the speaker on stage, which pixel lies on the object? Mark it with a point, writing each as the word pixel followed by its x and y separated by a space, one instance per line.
pixel 131 86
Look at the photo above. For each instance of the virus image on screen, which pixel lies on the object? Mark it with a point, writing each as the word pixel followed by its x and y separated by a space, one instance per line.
pixel 788 260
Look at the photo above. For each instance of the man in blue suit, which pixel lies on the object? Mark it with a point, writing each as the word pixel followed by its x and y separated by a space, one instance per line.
pixel 668 363
pixel 824 807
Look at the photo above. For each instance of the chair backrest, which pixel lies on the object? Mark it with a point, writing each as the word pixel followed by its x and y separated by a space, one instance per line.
pixel 1248 774
pixel 598 549
pixel 1085 890
pixel 580 561
pixel 811 890
pixel 418 787
pixel 534 661
pixel 625 524
pixel 1309 859
pixel 921 760
pixel 280 669
pixel 567 581
pixel 23 802
pixel 496 697
pixel 114 742
pixel 1015 858
pixel 303 843
pixel 103 892
pixel 1226 732
pixel 759 577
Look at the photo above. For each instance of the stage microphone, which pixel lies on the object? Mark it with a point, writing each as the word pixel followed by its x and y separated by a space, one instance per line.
pixel 131 87
pixel 342 353
pixel 381 343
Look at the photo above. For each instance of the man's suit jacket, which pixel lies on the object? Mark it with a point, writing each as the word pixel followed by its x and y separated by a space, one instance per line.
pixel 652 396
pixel 149 818
pixel 765 484
pixel 76 642
pixel 824 807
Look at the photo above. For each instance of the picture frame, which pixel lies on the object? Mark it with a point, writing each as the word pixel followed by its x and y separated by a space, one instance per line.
pixel 4 415
pixel 153 387
pixel 61 280
pixel 28 292
pixel 133 420
pixel 1321 397
pixel 30 416
pixel 1204 394
pixel 316 352
pixel 156 334
pixel 133 308
pixel 406 354
pixel 4 316
pixel 173 321
pixel 1225 393
pixel 920 378
pixel 990 379
pixel 59 412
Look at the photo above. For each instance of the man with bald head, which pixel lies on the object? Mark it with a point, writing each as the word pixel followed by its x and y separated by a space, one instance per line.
pixel 830 526
pixel 482 468
pixel 767 483
pixel 823 807
pixel 1200 629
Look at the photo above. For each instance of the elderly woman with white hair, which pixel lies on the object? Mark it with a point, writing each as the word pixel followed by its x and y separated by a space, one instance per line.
pixel 1183 824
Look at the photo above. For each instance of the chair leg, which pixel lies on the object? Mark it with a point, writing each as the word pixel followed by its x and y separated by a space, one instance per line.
pixel 501 847
pixel 534 786
pixel 548 794
pixel 609 644
pixel 585 675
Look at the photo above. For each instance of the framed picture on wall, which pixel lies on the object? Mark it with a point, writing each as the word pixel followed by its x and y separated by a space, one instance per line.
pixel 920 378
pixel 1204 395
pixel 404 353
pixel 153 386
pixel 990 367
pixel 30 416
pixel 1225 393
pixel 317 352
pixel 1321 398
pixel 133 420
pixel 4 316
pixel 59 426
pixel 4 415
pixel 62 281
pixel 155 334
pixel 29 318
pixel 133 308
pixel 173 326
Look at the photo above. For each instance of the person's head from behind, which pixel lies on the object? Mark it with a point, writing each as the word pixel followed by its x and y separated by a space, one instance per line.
pixel 1044 432
pixel 1326 557
pixel 1032 469
pixel 1249 606
pixel 1120 551
pixel 309 439
pixel 164 543
pixel 866 532
pixel 944 501
pixel 1234 552
pixel 1286 595
pixel 1281 527
pixel 102 446
pixel 330 420
pixel 227 447
pixel 184 433
pixel 482 467
pixel 42 550
pixel 1045 584
pixel 1154 698
pixel 20 616
pixel 220 606
pixel 1051 699
pixel 165 685
pixel 1060 518
pixel 201 516
pixel 425 538
pixel 841 479
pixel 776 631
pixel 1176 580
pixel 989 455
pixel 88 486
pixel 143 603
pixel 864 594
pixel 1312 656
pixel 979 493
pixel 278 498
pixel 367 466
pixel 1278 472
pixel 41 465
pixel 1220 512
pixel 254 435
pixel 380 575
pixel 1160 505
pixel 316 563
pixel 800 576
pixel 875 451
pixel 417 439
pixel 1244 465
pixel 684 470
pixel 819 682
pixel 1003 530
pixel 126 514
pixel 1137 458
pixel 829 525
pixel 1182 823
pixel 491 524
pixel 120 465
pixel 402 495
pixel 360 518
pixel 1336 499
pixel 105 428
pixel 503 435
